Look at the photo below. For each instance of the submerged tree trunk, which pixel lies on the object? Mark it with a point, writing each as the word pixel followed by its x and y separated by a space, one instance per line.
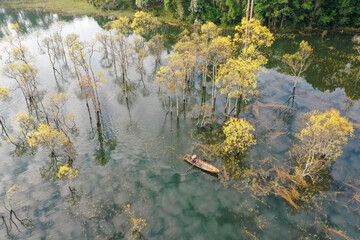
pixel 5 131
pixel 247 10
pixel 177 104
pixel 294 87
pixel 238 106
pixel 203 96
pixel 213 93
pixel 170 103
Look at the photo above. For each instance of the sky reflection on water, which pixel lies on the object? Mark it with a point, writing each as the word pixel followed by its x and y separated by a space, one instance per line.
pixel 144 166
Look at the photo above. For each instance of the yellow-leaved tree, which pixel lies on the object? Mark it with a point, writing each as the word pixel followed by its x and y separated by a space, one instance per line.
pixel 4 92
pixel 221 49
pixel 156 47
pixel 171 77
pixel 209 31
pixel 321 142
pixel 236 77
pixel 68 171
pixel 299 61
pixel 46 136
pixel 238 136
pixel 144 23
pixel 250 36
pixel 186 49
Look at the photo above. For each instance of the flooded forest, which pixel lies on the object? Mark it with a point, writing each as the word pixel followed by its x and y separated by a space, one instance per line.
pixel 97 114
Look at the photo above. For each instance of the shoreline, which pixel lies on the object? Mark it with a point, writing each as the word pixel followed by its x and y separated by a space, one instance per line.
pixel 82 7
pixel 76 7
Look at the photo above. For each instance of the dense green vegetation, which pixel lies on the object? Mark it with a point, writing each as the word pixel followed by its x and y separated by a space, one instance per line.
pixel 273 13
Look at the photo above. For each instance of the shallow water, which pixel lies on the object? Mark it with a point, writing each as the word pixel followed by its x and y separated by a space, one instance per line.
pixel 139 160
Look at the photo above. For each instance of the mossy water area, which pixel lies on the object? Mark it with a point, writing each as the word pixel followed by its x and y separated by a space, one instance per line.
pixel 106 159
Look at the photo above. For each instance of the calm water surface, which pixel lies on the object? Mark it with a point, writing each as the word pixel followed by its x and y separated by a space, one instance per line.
pixel 138 161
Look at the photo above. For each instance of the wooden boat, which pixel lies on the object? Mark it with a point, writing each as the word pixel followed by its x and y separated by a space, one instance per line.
pixel 201 164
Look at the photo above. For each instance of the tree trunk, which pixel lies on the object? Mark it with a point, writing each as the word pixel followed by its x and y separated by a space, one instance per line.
pixel 177 104
pixel 170 100
pixel 282 21
pixel 238 106
pixel 247 10
pixel 213 92
pixel 294 87
pixel 226 103
pixel 252 7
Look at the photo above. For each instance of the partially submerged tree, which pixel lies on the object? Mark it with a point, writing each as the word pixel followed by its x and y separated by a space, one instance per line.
pixel 56 51
pixel 186 50
pixel 221 49
pixel 209 31
pixel 236 77
pixel 238 136
pixel 321 143
pixel 141 53
pixel 25 77
pixel 144 24
pixel 120 48
pixel 299 61
pixel 250 36
pixel 81 54
pixel 172 78
pixel 4 93
pixel 156 47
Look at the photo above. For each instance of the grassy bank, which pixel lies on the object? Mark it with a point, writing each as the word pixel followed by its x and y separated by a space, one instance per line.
pixel 77 7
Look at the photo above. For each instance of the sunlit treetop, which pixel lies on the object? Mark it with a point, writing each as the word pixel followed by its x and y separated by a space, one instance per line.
pixel 4 92
pixel 71 39
pixel 172 75
pixel 144 23
pixel 156 45
pixel 47 136
pixel 11 191
pixel 237 77
pixel 67 171
pixel 184 36
pixel 100 79
pixel 23 118
pixel 55 101
pixel 210 30
pixel 327 132
pixel 299 61
pixel 57 97
pixel 16 27
pixel 221 49
pixel 140 47
pixel 20 53
pixel 20 71
pixel 251 35
pixel 238 135
pixel 121 25
pixel 186 50
pixel 60 23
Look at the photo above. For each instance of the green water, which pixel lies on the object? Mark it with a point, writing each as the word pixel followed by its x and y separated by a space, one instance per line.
pixel 137 159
